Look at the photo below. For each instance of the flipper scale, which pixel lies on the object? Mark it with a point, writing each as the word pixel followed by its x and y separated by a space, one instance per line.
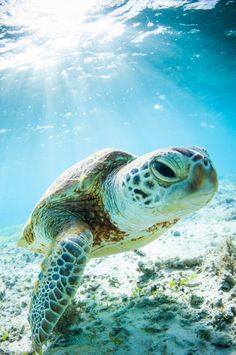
pixel 58 282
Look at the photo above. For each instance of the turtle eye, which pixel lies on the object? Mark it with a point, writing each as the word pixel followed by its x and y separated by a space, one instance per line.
pixel 163 171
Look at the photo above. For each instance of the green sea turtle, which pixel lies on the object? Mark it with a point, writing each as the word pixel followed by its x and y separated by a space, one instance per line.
pixel 111 202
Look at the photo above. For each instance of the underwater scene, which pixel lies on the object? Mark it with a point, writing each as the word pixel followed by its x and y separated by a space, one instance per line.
pixel 132 250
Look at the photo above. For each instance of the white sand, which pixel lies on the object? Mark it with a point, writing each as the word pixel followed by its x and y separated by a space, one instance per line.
pixel 175 296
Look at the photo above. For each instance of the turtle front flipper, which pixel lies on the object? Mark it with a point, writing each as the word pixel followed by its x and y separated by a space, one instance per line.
pixel 58 281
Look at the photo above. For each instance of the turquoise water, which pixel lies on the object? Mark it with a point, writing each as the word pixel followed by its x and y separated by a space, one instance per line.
pixel 134 75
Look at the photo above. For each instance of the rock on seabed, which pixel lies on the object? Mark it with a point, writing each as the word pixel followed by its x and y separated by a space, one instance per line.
pixel 174 296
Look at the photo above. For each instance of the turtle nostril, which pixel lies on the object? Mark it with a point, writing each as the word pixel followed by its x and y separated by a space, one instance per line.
pixel 206 162
pixel 198 157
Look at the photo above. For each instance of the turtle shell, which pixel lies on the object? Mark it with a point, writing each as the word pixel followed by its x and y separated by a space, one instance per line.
pixel 77 191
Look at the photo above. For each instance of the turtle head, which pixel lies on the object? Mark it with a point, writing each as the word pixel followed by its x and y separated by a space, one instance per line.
pixel 164 185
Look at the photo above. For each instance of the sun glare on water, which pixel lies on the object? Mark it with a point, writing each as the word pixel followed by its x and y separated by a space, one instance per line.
pixel 48 28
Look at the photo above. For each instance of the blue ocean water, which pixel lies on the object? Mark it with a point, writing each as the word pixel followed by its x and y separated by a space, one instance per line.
pixel 139 75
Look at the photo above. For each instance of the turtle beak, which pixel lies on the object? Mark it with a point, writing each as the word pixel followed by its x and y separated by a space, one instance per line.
pixel 203 178
pixel 196 190
pixel 202 175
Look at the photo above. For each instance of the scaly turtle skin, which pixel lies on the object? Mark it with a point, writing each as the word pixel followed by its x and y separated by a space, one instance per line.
pixel 109 203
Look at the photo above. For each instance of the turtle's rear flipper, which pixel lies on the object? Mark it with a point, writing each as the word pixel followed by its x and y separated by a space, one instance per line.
pixel 58 281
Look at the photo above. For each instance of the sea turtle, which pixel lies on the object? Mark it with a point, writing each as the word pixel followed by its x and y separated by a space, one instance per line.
pixel 111 202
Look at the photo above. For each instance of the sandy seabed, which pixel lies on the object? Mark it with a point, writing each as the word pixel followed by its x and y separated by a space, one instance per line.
pixel 175 296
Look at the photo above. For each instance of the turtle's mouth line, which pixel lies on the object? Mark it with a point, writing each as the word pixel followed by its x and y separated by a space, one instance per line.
pixel 204 194
pixel 192 199
pixel 207 197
